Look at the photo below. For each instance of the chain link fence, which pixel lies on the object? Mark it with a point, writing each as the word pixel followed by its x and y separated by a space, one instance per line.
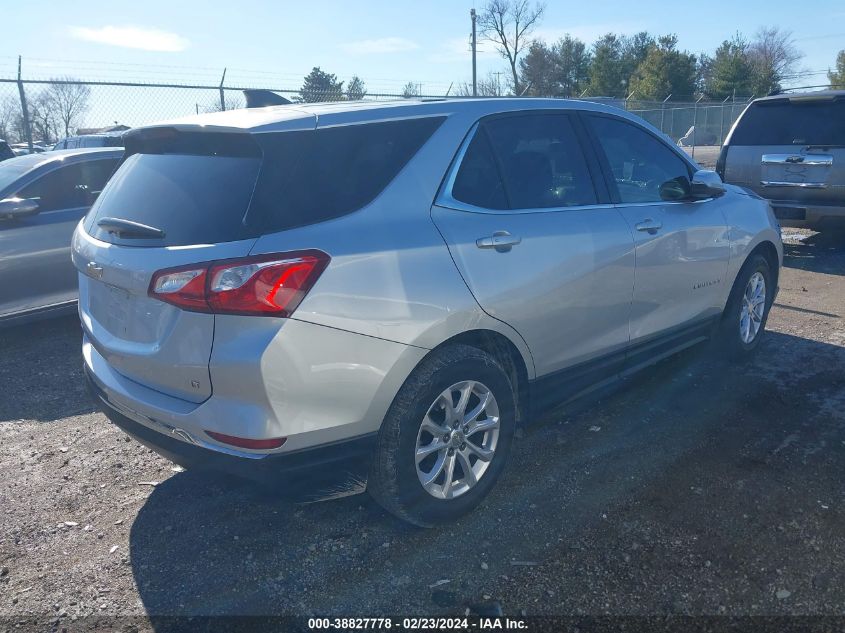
pixel 46 110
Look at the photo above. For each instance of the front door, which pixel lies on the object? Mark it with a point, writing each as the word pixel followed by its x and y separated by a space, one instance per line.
pixel 35 266
pixel 682 248
pixel 536 245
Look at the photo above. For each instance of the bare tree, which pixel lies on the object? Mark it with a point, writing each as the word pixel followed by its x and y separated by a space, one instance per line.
pixel 774 56
pixel 508 24
pixel 488 86
pixel 69 101
pixel 10 114
pixel 233 102
pixel 410 90
pixel 45 124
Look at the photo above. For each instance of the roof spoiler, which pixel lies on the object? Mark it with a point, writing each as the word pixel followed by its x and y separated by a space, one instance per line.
pixel 262 98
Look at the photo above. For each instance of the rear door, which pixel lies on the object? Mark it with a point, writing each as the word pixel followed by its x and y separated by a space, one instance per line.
pixel 791 148
pixel 35 266
pixel 537 245
pixel 196 189
pixel 682 248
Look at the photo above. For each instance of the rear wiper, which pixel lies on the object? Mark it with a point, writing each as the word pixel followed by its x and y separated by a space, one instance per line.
pixel 128 228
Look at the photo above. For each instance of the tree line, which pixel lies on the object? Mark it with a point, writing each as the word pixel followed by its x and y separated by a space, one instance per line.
pixel 55 111
pixel 641 66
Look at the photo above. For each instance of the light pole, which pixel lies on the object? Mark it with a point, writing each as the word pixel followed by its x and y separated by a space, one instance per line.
pixel 474 86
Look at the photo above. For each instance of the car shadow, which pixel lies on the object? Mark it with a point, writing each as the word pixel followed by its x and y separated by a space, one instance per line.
pixel 822 252
pixel 657 462
pixel 41 371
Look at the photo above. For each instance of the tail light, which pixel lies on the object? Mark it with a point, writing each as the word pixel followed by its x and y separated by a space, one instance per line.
pixel 268 285
pixel 245 442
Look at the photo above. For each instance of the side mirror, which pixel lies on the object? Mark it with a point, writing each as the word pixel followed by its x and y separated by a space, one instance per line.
pixel 706 184
pixel 12 208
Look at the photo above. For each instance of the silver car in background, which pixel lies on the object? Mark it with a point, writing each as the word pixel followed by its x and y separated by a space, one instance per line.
pixel 790 149
pixel 380 293
pixel 42 198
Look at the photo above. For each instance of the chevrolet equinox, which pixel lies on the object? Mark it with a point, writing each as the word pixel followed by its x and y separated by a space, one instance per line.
pixel 379 293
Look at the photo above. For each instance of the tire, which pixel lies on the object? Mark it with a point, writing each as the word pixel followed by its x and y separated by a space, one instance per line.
pixel 395 475
pixel 733 341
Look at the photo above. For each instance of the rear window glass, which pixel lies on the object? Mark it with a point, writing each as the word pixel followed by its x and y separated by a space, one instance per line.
pixel 784 122
pixel 541 161
pixel 204 188
pixel 194 199
pixel 313 176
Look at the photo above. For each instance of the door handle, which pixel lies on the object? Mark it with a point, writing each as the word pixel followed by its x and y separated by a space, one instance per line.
pixel 649 225
pixel 502 241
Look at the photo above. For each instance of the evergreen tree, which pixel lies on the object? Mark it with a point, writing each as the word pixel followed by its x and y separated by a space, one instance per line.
pixel 665 71
pixel 572 66
pixel 321 86
pixel 537 71
pixel 605 71
pixel 634 50
pixel 837 77
pixel 356 89
pixel 730 71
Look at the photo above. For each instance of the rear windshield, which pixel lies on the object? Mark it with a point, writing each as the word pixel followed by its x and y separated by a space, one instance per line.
pixel 194 199
pixel 199 189
pixel 784 122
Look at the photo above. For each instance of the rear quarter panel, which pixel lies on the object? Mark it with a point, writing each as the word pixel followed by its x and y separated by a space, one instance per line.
pixel 391 275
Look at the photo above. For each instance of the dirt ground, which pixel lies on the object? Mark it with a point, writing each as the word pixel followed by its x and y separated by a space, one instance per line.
pixel 696 488
pixel 704 155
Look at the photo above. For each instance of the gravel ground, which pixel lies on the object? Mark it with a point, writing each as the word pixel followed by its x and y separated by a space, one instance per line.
pixel 704 155
pixel 695 488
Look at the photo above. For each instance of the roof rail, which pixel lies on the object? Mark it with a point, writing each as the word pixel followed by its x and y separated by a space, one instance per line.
pixel 781 91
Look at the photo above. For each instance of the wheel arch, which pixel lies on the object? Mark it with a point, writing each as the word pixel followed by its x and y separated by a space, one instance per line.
pixel 509 356
pixel 768 250
pixel 764 247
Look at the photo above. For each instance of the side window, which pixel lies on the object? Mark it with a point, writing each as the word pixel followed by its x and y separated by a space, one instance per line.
pixel 477 181
pixel 310 177
pixel 542 163
pixel 639 162
pixel 71 186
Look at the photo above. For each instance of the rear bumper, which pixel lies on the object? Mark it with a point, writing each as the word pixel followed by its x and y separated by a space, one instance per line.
pixel 332 469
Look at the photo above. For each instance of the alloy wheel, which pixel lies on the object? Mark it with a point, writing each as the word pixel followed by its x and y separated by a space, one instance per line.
pixel 753 307
pixel 457 439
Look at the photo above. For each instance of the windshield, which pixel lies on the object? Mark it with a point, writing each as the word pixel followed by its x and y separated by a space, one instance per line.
pixel 14 168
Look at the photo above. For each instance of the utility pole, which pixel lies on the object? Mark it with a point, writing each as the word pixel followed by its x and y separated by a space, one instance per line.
pixel 474 85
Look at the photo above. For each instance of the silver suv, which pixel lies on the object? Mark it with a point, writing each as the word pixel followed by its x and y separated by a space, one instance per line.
pixel 790 149
pixel 378 294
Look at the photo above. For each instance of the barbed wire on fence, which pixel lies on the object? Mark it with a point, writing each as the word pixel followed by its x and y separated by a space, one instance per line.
pixel 43 110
